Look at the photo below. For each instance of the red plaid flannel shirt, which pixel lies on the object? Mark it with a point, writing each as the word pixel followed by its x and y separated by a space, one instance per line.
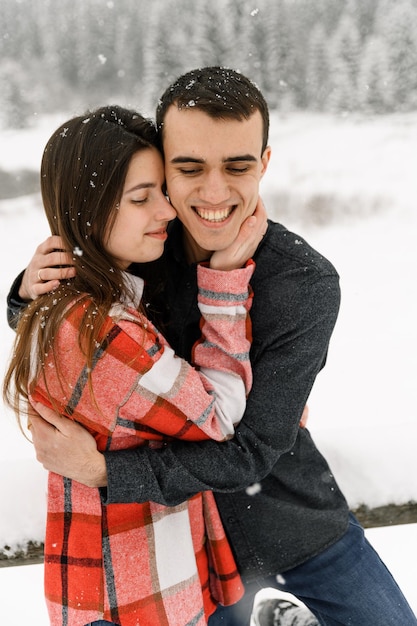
pixel 145 563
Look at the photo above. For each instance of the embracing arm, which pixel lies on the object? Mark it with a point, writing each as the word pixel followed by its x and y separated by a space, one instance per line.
pixel 142 390
pixel 287 356
pixel 47 267
pixel 15 304
pixel 284 370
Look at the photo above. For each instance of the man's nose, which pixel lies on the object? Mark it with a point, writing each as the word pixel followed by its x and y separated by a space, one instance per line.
pixel 214 188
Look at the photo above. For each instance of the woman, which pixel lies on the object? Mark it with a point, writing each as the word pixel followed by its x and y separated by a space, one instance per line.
pixel 88 351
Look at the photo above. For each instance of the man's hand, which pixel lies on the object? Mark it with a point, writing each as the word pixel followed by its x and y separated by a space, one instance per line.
pixel 304 417
pixel 244 246
pixel 45 269
pixel 66 448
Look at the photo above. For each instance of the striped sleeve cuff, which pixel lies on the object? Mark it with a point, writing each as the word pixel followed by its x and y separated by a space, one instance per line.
pixel 224 288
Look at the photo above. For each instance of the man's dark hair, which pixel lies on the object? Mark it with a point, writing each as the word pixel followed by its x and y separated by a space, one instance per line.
pixel 218 91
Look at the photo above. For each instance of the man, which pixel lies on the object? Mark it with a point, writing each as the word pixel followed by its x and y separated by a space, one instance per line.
pixel 285 517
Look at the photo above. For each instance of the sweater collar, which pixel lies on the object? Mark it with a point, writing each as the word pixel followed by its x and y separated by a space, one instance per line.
pixel 135 286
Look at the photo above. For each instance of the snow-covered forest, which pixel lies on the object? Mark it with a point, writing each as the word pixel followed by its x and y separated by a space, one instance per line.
pixel 326 55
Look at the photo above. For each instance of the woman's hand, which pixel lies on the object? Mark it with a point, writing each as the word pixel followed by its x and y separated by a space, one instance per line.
pixel 244 246
pixel 48 266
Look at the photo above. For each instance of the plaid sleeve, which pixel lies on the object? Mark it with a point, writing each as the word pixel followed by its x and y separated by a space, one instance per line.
pixel 143 391
pixel 222 353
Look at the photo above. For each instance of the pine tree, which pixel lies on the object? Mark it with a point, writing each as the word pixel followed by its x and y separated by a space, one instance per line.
pixel 396 24
pixel 345 54
pixel 15 100
pixel 374 87
pixel 318 71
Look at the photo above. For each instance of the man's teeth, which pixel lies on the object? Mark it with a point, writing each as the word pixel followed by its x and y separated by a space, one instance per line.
pixel 214 216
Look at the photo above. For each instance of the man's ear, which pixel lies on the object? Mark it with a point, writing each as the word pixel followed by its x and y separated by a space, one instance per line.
pixel 266 155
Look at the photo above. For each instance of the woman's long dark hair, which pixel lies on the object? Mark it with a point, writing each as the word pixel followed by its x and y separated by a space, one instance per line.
pixel 83 171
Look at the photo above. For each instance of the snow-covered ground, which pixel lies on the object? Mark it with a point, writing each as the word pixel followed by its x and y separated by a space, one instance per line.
pixel 396 545
pixel 362 409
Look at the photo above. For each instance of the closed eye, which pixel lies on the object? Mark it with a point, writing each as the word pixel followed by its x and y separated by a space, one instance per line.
pixel 238 170
pixel 187 171
pixel 140 201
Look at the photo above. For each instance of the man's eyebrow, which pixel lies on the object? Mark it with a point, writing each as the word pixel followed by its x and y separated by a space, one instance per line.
pixel 186 159
pixel 240 157
pixel 231 159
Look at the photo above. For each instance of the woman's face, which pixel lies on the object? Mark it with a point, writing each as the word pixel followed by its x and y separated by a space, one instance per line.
pixel 139 231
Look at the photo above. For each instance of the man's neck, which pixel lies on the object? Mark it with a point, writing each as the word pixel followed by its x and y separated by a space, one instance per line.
pixel 193 252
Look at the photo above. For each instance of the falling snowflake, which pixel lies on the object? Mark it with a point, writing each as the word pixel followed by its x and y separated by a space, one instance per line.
pixel 252 490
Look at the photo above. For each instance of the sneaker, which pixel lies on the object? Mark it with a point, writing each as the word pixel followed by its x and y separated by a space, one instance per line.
pixel 280 612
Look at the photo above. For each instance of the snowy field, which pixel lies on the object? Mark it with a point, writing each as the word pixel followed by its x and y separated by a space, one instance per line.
pixel 362 173
pixel 393 544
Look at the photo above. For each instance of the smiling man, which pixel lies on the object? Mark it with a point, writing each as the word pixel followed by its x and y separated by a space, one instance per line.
pixel 292 530
pixel 213 190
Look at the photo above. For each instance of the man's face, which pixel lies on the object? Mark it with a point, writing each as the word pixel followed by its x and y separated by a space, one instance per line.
pixel 213 168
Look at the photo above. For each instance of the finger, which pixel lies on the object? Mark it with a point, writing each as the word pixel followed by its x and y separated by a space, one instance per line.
pixel 40 427
pixel 50 416
pixel 43 437
pixel 39 289
pixel 30 411
pixel 56 265
pixel 51 243
pixel 261 215
pixel 245 236
pixel 58 258
pixel 47 274
pixel 31 414
pixel 251 232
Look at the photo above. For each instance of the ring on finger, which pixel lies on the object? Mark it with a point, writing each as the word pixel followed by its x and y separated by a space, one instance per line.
pixel 39 276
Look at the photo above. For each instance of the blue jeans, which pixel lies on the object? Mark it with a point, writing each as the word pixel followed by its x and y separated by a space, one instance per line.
pixel 346 585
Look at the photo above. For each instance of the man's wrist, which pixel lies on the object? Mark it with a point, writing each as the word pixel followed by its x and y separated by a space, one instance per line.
pixel 95 474
pixel 16 288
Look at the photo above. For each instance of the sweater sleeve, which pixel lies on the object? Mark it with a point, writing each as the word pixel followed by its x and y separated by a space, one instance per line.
pixel 15 304
pixel 142 390
pixel 292 329
pixel 222 352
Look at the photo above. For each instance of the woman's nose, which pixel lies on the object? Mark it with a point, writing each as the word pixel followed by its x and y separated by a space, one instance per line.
pixel 166 211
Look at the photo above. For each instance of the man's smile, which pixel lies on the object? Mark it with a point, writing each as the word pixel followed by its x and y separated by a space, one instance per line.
pixel 214 215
